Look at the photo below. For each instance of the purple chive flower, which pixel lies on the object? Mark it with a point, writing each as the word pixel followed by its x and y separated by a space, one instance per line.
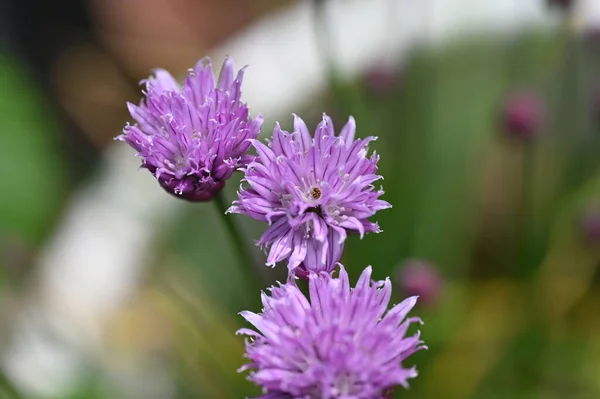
pixel 311 192
pixel 523 114
pixel 192 138
pixel 338 343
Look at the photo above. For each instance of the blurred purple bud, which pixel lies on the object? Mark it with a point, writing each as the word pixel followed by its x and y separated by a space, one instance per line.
pixel 523 114
pixel 417 277
pixel 562 4
pixel 590 225
pixel 381 79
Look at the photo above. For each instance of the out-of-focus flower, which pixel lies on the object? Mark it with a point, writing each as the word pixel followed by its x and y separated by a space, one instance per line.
pixel 381 79
pixel 338 343
pixel 311 191
pixel 590 225
pixel 562 4
pixel 419 278
pixel 192 138
pixel 523 114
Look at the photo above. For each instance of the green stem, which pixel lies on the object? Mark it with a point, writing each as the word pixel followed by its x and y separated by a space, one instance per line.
pixel 526 241
pixel 7 387
pixel 247 266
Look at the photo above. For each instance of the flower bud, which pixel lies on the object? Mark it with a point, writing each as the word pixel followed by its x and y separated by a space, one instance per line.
pixel 380 79
pixel 419 278
pixel 523 115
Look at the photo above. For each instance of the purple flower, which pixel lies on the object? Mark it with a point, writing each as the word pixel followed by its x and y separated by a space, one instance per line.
pixel 338 343
pixel 523 115
pixel 382 79
pixel 311 192
pixel 193 138
pixel 420 278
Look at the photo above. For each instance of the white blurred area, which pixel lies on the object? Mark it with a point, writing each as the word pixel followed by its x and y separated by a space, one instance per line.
pixel 96 257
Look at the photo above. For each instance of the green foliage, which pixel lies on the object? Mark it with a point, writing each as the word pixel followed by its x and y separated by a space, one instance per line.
pixel 32 181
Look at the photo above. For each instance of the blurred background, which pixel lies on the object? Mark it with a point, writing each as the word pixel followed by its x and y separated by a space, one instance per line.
pixel 488 118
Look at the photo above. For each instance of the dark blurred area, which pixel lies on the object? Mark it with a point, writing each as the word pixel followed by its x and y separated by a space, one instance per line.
pixel 89 56
pixel 39 32
pixel 489 143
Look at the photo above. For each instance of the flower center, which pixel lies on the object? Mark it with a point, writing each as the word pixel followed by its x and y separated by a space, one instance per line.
pixel 315 193
pixel 179 160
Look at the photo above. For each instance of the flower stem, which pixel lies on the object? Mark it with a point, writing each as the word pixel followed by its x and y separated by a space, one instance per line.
pixel 7 388
pixel 526 236
pixel 247 266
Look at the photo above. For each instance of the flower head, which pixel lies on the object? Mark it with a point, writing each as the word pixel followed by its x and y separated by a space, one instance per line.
pixel 312 192
pixel 192 138
pixel 338 343
pixel 523 115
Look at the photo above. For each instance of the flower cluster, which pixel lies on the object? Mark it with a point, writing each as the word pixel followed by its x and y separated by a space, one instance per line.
pixel 312 191
pixel 193 138
pixel 340 343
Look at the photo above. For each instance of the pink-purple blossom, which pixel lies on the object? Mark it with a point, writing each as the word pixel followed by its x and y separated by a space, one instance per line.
pixel 420 278
pixel 193 138
pixel 312 191
pixel 340 342
pixel 523 115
